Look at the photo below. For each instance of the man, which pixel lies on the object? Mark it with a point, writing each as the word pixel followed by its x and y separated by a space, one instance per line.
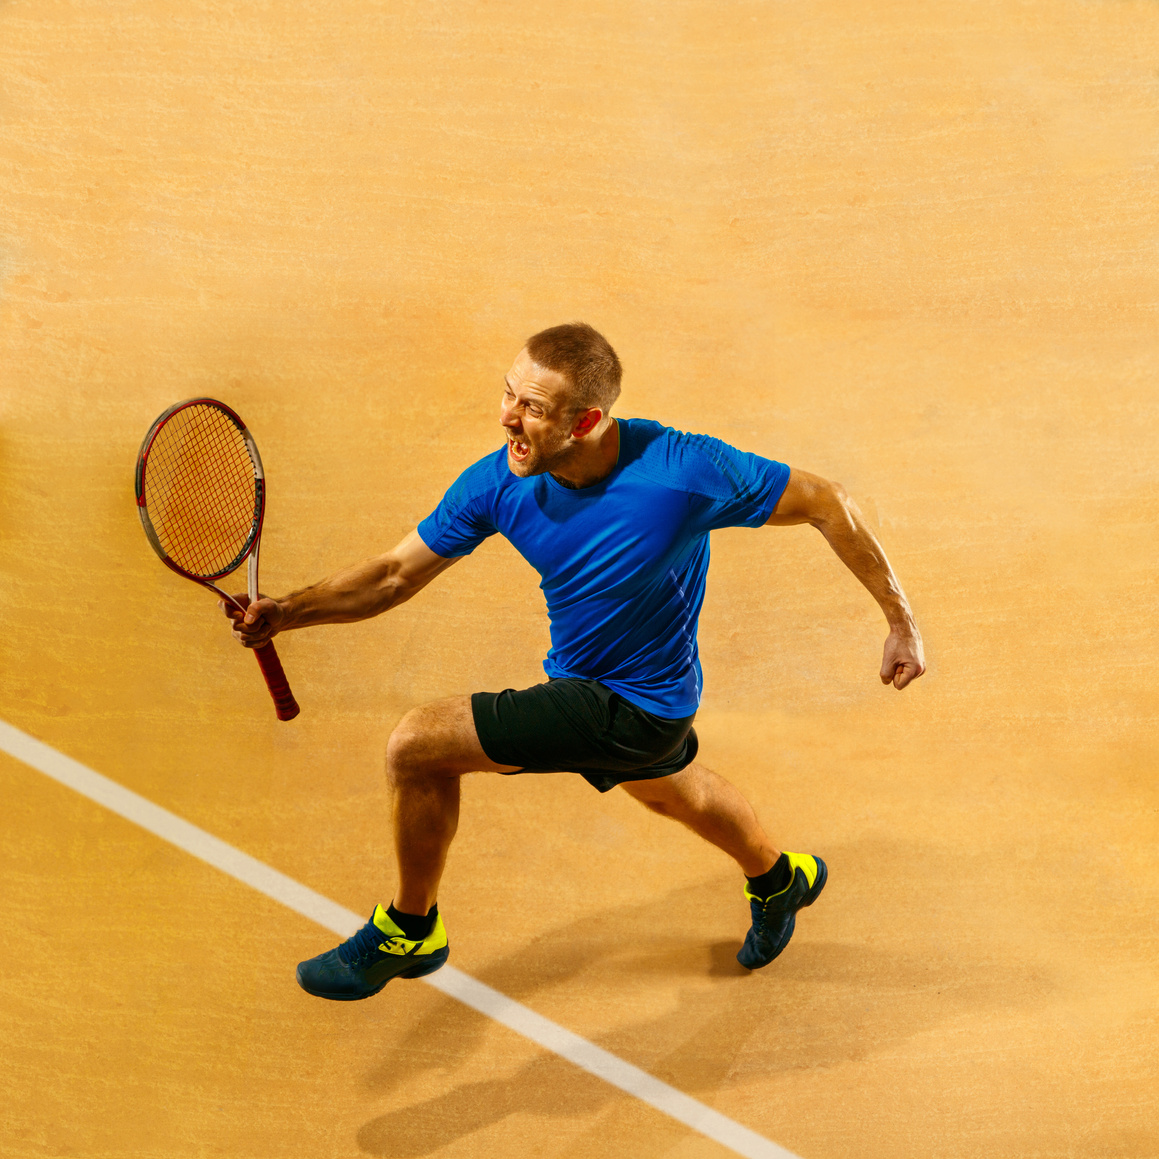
pixel 615 516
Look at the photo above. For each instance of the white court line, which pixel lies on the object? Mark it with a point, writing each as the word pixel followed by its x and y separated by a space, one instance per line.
pixel 343 922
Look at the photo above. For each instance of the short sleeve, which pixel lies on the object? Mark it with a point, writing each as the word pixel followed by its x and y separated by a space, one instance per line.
pixel 465 516
pixel 731 488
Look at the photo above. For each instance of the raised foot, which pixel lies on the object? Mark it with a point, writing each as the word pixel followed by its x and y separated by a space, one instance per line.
pixel 774 918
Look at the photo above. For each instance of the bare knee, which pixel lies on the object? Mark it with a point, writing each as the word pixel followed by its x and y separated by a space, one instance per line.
pixel 673 796
pixel 435 740
pixel 409 750
pixel 655 805
pixel 679 808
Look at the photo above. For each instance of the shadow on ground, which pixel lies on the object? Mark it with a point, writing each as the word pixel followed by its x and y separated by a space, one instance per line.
pixel 822 1004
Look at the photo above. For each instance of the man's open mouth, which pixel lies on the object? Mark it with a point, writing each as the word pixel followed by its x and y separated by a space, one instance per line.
pixel 519 451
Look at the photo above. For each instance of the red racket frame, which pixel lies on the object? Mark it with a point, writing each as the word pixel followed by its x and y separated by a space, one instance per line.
pixel 284 703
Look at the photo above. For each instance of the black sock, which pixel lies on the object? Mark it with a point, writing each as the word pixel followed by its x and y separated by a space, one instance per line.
pixel 773 880
pixel 413 925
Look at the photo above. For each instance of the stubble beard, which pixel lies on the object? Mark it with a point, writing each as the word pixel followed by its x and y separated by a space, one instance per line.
pixel 540 460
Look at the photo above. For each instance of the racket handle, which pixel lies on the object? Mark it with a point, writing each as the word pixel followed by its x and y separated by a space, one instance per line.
pixel 284 703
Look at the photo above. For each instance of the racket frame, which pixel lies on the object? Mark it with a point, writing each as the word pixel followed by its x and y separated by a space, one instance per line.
pixel 266 655
pixel 250 548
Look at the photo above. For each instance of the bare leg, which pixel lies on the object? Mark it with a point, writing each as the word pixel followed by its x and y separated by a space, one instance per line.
pixel 713 809
pixel 432 747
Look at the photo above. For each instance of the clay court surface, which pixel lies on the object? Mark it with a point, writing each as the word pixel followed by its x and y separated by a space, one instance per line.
pixel 907 246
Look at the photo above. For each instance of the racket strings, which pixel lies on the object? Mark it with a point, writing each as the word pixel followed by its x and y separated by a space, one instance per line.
pixel 201 493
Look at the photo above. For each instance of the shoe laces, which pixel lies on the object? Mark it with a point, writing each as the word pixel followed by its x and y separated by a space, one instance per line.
pixel 361 946
pixel 762 903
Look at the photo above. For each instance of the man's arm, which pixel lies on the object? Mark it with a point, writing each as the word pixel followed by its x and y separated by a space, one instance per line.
pixel 354 593
pixel 811 499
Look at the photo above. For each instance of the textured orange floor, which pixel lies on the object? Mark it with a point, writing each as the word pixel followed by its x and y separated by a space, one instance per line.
pixel 909 246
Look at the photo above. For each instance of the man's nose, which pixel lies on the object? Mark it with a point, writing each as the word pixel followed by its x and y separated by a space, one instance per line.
pixel 508 418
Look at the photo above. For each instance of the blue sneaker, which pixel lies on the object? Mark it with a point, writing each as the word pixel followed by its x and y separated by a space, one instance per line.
pixel 363 964
pixel 774 917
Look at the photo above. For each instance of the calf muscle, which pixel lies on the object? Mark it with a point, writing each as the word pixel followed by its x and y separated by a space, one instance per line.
pixel 713 809
pixel 432 747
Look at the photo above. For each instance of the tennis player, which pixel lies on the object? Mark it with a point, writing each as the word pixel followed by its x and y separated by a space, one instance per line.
pixel 615 515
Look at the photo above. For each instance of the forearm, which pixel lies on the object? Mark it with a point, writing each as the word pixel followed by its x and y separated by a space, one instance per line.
pixel 855 544
pixel 355 593
pixel 810 499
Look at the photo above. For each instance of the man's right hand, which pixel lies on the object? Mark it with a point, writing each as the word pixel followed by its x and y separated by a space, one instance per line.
pixel 259 624
pixel 355 593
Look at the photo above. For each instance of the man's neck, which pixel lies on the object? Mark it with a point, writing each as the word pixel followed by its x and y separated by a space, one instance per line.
pixel 594 461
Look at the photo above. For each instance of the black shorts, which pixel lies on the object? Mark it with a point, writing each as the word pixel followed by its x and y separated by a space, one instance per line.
pixel 581 726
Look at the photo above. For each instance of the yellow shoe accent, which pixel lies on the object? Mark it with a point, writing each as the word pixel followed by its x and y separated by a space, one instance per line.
pixel 807 865
pixel 802 861
pixel 382 920
pixel 775 917
pixel 398 943
pixel 436 939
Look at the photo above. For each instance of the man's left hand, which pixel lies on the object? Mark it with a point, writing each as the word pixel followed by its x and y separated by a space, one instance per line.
pixel 904 659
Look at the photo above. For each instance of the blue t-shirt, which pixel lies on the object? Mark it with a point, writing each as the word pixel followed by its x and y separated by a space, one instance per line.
pixel 623 562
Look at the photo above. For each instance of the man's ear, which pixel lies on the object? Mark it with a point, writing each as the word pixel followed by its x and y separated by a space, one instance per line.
pixel 586 422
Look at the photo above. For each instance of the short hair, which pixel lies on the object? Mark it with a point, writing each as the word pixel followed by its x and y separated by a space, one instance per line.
pixel 585 357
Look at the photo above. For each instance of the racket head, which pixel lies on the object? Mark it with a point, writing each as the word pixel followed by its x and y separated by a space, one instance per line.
pixel 200 489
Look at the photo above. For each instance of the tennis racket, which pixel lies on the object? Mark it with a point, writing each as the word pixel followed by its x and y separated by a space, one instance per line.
pixel 201 495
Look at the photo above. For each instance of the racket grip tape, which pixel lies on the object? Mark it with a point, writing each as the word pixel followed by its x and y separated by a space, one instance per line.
pixel 284 702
